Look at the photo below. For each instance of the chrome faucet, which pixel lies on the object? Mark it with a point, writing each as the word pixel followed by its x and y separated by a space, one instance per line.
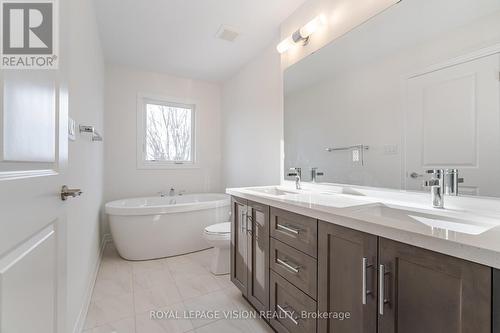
pixel 451 182
pixel 315 173
pixel 436 183
pixel 171 193
pixel 297 172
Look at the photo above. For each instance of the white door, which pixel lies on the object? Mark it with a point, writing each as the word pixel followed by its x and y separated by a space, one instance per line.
pixel 453 121
pixel 33 159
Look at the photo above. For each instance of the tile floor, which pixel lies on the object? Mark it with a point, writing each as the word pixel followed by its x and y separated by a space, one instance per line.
pixel 126 292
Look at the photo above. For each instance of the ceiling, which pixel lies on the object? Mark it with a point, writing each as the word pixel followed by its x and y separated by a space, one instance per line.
pixel 178 37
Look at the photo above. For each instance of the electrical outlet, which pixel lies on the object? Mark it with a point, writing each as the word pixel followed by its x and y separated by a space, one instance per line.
pixel 355 155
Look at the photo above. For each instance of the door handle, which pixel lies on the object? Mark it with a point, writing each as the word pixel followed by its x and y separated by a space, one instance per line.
pixel 364 290
pixel 382 300
pixel 69 193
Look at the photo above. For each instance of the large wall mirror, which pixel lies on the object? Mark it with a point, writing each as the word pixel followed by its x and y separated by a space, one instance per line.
pixel 415 88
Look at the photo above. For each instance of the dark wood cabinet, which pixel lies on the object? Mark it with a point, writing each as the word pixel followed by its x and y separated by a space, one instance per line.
pixel 239 244
pixel 347 279
pixel 250 251
pixel 258 255
pixel 424 291
pixel 293 265
pixel 496 301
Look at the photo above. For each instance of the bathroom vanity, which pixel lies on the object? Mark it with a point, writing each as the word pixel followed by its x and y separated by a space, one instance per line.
pixel 325 251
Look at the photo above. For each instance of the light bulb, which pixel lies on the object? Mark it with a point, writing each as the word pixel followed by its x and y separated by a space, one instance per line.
pixel 313 25
pixel 285 45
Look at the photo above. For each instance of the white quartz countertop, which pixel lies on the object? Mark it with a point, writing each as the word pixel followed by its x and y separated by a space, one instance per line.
pixel 467 228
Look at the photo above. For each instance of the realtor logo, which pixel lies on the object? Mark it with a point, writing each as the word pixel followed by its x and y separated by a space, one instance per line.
pixel 28 34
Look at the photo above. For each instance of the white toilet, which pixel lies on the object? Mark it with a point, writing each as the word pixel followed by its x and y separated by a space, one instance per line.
pixel 219 236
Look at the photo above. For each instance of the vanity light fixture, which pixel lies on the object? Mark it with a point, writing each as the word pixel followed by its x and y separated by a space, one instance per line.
pixel 301 36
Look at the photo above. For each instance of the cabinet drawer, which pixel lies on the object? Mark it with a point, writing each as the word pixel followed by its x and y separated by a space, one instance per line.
pixel 295 230
pixel 288 303
pixel 295 266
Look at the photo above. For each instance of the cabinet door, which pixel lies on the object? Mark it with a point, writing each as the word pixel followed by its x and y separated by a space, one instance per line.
pixel 239 244
pixel 258 255
pixel 424 291
pixel 347 279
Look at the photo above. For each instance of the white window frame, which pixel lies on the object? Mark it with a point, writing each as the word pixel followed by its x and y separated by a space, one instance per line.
pixel 142 163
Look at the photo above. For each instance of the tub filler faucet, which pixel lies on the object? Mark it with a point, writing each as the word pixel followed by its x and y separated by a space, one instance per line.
pixel 170 193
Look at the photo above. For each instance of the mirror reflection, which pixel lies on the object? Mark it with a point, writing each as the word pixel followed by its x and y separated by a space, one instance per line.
pixel 399 96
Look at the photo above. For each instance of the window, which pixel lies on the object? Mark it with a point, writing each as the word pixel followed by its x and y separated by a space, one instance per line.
pixel 166 134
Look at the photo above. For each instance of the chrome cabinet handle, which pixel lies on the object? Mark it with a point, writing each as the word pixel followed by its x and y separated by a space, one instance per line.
pixel 67 192
pixel 288 314
pixel 415 175
pixel 364 291
pixel 381 289
pixel 243 222
pixel 294 268
pixel 287 228
pixel 250 220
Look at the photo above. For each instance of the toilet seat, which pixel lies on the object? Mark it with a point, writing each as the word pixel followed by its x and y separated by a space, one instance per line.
pixel 219 229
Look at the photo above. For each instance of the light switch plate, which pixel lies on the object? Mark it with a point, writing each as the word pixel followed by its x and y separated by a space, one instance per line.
pixel 71 129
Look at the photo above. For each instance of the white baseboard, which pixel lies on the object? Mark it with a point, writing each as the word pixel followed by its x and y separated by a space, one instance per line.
pixel 80 322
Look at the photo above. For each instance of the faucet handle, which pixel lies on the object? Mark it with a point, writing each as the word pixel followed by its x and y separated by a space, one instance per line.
pixel 295 172
pixel 430 183
pixel 315 172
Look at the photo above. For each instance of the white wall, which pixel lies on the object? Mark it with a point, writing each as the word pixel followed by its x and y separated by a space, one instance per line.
pixel 252 104
pixel 85 169
pixel 122 177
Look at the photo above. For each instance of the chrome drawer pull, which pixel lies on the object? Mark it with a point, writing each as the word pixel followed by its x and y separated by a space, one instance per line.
pixel 288 314
pixel 287 228
pixel 293 268
pixel 364 291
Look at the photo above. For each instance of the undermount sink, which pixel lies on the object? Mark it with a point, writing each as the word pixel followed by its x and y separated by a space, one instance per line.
pixel 434 221
pixel 343 190
pixel 272 191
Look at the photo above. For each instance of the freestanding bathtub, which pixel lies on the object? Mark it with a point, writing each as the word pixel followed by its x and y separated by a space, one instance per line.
pixel 157 227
